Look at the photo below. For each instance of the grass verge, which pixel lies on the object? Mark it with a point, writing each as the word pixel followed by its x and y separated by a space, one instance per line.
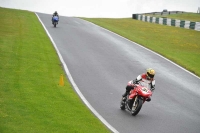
pixel 180 45
pixel 31 99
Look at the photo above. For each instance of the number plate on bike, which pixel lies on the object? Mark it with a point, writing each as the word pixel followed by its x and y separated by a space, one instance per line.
pixel 145 89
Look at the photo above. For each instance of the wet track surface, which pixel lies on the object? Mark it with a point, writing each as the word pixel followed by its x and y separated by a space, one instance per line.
pixel 101 63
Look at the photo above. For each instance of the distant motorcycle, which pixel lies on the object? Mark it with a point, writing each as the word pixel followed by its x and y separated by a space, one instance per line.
pixel 55 20
pixel 137 96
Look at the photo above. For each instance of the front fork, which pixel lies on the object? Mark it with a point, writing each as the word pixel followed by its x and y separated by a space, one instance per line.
pixel 135 101
pixel 130 104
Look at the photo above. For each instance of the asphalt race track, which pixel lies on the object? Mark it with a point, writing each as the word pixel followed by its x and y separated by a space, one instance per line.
pixel 101 63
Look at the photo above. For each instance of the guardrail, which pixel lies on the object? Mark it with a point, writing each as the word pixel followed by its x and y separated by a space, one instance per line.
pixel 167 21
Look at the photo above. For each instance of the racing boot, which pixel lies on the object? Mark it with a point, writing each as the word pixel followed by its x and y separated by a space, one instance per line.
pixel 124 96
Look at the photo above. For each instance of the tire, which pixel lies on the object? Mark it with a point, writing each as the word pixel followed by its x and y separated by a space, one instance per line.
pixel 122 105
pixel 135 110
pixel 54 24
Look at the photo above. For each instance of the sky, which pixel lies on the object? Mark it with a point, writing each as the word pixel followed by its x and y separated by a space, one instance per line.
pixel 101 8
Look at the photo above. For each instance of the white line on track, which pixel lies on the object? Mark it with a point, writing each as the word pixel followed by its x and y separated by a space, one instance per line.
pixel 74 84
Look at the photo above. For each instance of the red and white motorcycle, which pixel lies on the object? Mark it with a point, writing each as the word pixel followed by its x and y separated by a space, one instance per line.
pixel 137 96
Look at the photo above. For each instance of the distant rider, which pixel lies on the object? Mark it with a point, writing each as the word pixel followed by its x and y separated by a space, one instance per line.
pixel 148 76
pixel 55 14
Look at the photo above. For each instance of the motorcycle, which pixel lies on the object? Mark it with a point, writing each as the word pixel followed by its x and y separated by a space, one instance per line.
pixel 137 96
pixel 55 20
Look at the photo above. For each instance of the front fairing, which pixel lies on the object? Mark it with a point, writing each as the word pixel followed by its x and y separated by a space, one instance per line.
pixel 144 92
pixel 141 89
pixel 55 19
pixel 133 93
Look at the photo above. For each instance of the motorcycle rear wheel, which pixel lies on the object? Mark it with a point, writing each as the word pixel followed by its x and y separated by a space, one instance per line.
pixel 138 105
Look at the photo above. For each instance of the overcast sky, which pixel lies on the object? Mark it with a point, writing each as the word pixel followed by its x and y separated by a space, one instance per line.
pixel 101 8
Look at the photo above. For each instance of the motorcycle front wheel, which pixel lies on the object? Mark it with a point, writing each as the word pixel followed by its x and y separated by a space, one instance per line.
pixel 136 109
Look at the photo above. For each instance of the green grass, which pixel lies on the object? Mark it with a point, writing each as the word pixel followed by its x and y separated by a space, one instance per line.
pixel 194 17
pixel 31 99
pixel 180 45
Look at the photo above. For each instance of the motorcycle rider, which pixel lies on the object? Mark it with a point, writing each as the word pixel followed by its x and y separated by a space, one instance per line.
pixel 149 76
pixel 55 14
